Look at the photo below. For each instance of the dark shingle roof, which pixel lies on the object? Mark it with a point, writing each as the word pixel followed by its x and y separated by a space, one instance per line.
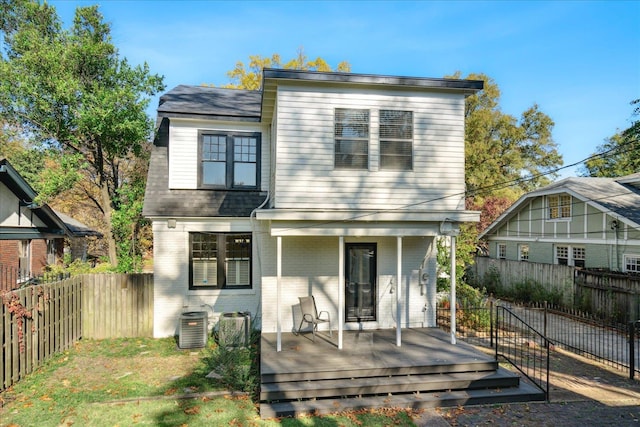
pixel 160 201
pixel 210 102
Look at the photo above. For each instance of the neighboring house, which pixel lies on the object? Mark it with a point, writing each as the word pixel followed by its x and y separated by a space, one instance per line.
pixel 32 236
pixel 326 184
pixel 582 222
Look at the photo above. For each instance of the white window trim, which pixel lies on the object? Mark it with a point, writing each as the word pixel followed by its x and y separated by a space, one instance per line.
pixel 498 246
pixel 520 247
pixel 571 260
pixel 559 207
pixel 626 258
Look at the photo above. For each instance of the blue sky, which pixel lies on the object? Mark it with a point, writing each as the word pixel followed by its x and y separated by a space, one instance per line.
pixel 578 60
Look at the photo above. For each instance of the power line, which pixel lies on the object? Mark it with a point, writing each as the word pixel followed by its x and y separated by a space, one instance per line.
pixel 465 193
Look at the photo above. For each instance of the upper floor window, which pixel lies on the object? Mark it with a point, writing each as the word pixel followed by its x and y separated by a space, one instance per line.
pixel 559 206
pixel 396 139
pixel 220 260
pixel 351 133
pixel 524 252
pixel 229 160
pixel 502 250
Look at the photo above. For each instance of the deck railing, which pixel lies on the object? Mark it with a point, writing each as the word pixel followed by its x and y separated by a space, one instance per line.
pixel 603 340
pixel 634 348
pixel 523 346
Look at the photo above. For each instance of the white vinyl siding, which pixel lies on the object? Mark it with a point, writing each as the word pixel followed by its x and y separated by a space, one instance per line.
pixel 306 177
pixel 172 295
pixel 311 267
pixel 184 143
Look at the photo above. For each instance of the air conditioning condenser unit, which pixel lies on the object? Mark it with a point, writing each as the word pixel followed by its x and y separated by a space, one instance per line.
pixel 193 329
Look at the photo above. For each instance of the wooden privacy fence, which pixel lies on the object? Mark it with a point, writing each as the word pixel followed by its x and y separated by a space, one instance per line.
pixel 552 277
pixel 117 306
pixel 39 321
pixel 607 294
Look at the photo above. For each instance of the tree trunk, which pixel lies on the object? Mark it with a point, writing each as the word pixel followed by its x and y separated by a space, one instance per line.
pixel 107 207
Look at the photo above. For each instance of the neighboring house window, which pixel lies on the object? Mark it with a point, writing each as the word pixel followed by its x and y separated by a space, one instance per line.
pixel 559 206
pixel 229 160
pixel 570 255
pixel 562 255
pixel 524 252
pixel 632 263
pixel 351 132
pixel 396 139
pixel 24 259
pixel 220 260
pixel 51 251
pixel 578 257
pixel 502 250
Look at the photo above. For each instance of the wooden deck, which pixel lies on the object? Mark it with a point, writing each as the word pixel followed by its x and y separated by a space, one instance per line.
pixel 365 350
pixel 372 371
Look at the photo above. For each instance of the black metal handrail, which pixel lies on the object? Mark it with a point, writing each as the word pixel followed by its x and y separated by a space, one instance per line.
pixel 634 342
pixel 523 347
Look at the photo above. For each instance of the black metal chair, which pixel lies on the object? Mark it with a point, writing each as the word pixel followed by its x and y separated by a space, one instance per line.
pixel 310 315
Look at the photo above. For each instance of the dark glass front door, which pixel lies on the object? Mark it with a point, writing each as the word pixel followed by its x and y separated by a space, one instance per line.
pixel 360 282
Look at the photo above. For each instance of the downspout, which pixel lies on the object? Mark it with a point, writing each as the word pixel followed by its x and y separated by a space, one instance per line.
pixel 453 289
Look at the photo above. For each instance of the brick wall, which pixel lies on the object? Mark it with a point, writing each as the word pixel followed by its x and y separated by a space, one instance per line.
pixel 38 256
pixel 9 254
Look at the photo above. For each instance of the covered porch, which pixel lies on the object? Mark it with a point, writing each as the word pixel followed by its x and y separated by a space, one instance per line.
pixel 373 371
pixel 372 255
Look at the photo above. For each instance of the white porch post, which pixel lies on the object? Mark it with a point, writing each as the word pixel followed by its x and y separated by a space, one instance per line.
pixel 340 290
pixel 398 294
pixel 279 291
pixel 453 289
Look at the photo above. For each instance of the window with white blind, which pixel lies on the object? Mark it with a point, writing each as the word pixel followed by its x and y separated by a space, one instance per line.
pixel 220 260
pixel 559 206
pixel 351 134
pixel 524 252
pixel 396 140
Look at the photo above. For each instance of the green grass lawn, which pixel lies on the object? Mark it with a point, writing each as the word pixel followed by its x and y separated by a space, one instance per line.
pixel 129 382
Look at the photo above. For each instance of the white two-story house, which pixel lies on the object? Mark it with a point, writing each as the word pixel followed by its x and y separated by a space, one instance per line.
pixel 326 184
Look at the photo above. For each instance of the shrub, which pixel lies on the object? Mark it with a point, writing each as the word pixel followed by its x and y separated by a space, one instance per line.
pixel 238 367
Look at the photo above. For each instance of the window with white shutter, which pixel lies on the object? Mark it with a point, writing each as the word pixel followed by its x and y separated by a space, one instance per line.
pixel 220 260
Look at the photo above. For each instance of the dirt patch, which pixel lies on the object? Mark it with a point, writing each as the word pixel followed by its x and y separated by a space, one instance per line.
pixel 582 393
pixel 95 372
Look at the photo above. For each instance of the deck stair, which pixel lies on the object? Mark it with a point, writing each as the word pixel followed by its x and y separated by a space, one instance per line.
pixel 425 372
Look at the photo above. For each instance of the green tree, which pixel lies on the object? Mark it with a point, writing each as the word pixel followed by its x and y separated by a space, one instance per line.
pixel 502 149
pixel 620 154
pixel 249 76
pixel 69 90
pixel 505 156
